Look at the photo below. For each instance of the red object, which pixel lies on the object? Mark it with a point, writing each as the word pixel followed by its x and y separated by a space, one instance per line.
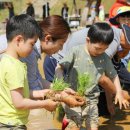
pixel 115 7
pixel 64 124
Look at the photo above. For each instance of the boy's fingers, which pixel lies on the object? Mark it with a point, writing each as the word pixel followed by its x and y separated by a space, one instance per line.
pixel 126 104
pixel 120 104
pixel 80 99
pixel 116 100
pixel 69 91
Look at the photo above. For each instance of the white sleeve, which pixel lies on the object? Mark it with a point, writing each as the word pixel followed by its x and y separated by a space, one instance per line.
pixel 3 42
pixel 113 47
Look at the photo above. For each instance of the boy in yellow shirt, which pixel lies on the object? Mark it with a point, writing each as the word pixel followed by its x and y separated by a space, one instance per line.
pixel 22 32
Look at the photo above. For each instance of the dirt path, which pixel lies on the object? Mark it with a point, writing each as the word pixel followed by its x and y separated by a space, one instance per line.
pixel 40 119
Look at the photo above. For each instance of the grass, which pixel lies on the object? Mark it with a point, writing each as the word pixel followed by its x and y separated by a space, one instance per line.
pixel 19 5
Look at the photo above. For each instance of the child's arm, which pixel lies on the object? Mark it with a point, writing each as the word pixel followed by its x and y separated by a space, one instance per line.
pixel 24 103
pixel 110 104
pixel 38 94
pixel 3 51
pixel 46 84
pixel 107 84
pixel 119 95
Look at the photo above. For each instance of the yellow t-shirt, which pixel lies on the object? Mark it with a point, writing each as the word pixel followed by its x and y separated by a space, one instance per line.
pixel 13 75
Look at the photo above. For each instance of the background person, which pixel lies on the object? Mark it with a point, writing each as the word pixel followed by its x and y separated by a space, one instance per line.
pixel 116 5
pixel 46 10
pixel 64 11
pixel 30 10
pixel 122 17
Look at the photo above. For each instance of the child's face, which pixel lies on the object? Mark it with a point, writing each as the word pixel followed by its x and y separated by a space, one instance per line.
pixel 123 42
pixel 96 49
pixel 26 46
pixel 51 47
pixel 124 20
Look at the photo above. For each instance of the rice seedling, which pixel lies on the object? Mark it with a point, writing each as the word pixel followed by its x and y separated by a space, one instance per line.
pixel 83 83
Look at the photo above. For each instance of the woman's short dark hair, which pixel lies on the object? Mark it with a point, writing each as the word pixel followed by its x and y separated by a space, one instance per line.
pixel 24 25
pixel 101 33
pixel 56 26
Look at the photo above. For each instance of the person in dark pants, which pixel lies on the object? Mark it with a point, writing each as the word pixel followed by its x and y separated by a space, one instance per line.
pixel 10 7
pixel 11 10
pixel 64 11
pixel 46 10
pixel 30 10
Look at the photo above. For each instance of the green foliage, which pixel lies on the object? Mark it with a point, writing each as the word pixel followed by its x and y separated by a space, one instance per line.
pixel 60 113
pixel 59 85
pixel 19 6
pixel 83 82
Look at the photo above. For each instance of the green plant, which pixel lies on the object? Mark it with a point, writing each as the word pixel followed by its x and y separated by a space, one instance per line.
pixel 59 84
pixel 60 113
pixel 83 83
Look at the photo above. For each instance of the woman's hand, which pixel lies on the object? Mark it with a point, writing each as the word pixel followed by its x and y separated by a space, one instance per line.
pixel 72 100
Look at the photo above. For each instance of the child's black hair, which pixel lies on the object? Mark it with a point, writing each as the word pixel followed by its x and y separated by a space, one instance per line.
pixel 24 25
pixel 101 33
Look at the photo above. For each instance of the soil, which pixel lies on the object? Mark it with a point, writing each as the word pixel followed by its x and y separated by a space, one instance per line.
pixel 40 119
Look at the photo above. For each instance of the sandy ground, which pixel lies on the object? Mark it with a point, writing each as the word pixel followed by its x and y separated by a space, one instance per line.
pixel 40 119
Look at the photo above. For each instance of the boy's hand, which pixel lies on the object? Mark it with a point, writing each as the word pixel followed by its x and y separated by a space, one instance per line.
pixel 72 100
pixel 69 91
pixel 44 92
pixel 126 95
pixel 122 101
pixel 50 105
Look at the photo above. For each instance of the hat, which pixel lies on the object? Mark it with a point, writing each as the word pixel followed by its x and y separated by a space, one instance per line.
pixel 119 11
pixel 126 30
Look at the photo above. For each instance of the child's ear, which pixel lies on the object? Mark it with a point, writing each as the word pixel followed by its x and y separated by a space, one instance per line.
pixel 48 38
pixel 18 38
pixel 87 39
